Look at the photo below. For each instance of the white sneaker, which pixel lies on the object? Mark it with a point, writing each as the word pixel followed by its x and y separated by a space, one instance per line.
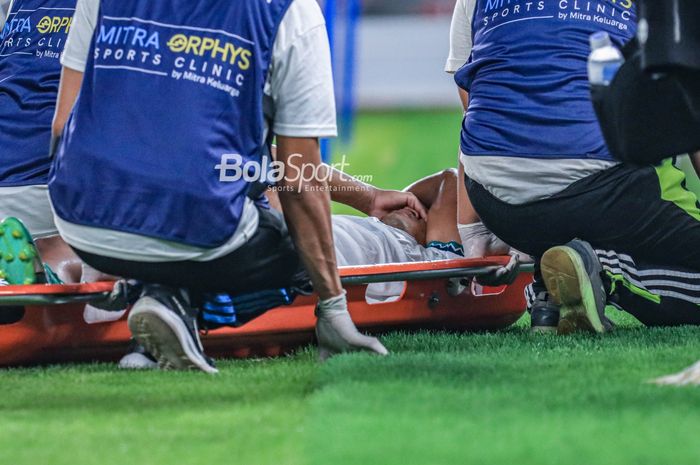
pixel 138 359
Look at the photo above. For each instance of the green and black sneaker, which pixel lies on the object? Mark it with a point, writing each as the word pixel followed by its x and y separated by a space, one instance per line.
pixel 19 259
pixel 573 276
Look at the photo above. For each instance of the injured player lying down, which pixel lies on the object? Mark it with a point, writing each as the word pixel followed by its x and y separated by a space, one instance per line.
pixel 425 230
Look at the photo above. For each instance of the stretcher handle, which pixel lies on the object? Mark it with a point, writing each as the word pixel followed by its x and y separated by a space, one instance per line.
pixel 51 299
pixel 426 275
pixel 37 299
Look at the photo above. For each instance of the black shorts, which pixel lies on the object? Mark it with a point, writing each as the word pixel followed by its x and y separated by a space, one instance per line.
pixel 268 260
pixel 645 212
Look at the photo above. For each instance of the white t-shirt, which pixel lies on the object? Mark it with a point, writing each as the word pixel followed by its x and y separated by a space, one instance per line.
pixel 368 241
pixel 4 9
pixel 299 100
pixel 512 180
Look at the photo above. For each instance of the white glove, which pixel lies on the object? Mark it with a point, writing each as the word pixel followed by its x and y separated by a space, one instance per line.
pixel 93 314
pixel 336 332
pixel 478 241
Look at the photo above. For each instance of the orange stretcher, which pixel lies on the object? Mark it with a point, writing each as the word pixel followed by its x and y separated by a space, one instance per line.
pixel 52 328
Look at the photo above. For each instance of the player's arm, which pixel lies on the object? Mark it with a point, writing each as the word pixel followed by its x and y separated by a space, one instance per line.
pixel 366 198
pixel 306 205
pixel 439 193
pixel 74 60
pixel 354 193
pixel 426 189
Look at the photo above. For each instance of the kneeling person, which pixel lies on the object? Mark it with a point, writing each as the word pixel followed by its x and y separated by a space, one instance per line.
pixel 161 213
pixel 29 79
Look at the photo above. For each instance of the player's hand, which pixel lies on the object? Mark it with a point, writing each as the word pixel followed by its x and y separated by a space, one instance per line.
pixel 386 201
pixel 336 332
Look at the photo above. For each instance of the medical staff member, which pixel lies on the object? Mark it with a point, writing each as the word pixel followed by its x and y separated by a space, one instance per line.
pixel 540 175
pixel 31 41
pixel 174 93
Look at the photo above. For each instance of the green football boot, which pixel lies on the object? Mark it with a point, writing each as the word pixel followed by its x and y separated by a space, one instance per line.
pixel 19 259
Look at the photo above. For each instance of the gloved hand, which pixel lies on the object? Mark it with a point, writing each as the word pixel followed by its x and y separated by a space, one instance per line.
pixel 110 309
pixel 502 276
pixel 124 293
pixel 478 241
pixel 113 307
pixel 336 332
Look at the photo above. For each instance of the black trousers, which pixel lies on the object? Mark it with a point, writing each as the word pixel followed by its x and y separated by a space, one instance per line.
pixel 643 223
pixel 268 260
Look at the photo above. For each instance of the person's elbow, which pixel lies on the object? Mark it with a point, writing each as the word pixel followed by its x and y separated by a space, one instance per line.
pixel 450 175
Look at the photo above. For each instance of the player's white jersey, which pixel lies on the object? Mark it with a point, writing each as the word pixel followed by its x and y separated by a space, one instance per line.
pixel 368 241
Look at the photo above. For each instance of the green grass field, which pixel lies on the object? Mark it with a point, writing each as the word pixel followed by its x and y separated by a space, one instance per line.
pixel 506 398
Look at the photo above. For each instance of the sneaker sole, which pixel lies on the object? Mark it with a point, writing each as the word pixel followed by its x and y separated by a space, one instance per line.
pixel 569 285
pixel 162 334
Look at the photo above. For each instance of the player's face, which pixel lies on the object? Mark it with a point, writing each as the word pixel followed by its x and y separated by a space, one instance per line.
pixel 408 220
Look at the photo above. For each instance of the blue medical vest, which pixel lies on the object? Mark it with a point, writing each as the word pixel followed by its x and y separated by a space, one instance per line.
pixel 527 77
pixel 173 90
pixel 30 48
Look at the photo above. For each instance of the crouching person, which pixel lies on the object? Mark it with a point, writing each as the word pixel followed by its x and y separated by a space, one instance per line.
pixel 29 77
pixel 137 185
